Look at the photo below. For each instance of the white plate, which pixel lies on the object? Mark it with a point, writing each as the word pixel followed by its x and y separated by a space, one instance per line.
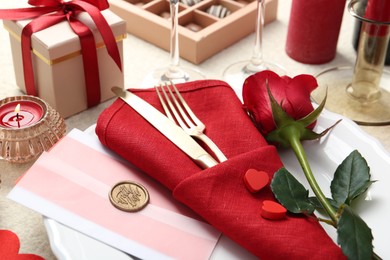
pixel 324 156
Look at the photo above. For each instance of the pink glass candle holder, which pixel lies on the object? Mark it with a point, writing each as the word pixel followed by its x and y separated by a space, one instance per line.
pixel 28 126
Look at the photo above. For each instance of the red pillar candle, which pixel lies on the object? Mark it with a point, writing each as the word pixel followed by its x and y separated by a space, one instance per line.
pixel 30 113
pixel 313 30
pixel 378 11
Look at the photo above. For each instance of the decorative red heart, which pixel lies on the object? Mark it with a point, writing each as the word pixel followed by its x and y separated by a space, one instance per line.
pixel 273 210
pixel 255 180
pixel 9 247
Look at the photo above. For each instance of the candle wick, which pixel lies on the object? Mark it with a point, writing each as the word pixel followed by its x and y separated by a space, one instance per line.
pixel 17 116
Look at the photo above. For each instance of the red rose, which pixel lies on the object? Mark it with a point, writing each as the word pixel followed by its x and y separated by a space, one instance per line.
pixel 281 109
pixel 292 93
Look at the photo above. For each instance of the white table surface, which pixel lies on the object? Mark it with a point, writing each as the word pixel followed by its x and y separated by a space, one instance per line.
pixel 139 58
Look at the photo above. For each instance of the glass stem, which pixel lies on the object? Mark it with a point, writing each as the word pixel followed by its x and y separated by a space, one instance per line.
pixel 174 40
pixel 257 56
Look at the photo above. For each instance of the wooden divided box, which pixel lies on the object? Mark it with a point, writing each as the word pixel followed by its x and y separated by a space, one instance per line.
pixel 147 19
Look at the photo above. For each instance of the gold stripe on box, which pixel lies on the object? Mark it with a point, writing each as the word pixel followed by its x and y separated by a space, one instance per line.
pixel 65 57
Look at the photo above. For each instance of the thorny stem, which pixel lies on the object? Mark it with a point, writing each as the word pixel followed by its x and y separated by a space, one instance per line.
pixel 297 147
pixel 327 221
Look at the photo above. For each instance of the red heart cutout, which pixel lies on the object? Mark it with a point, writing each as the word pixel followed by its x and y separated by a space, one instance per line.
pixel 9 247
pixel 255 180
pixel 273 210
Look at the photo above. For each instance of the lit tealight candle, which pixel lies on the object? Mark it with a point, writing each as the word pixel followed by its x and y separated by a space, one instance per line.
pixel 20 114
pixel 28 126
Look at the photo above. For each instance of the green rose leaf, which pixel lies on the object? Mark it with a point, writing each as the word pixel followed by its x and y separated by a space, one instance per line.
pixel 354 236
pixel 290 193
pixel 318 206
pixel 351 179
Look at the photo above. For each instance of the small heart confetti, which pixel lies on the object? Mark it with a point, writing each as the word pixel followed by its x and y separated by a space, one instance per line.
pixel 255 180
pixel 273 210
pixel 9 247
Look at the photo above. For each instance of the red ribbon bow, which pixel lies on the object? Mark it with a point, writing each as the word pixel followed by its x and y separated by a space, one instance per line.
pixel 47 13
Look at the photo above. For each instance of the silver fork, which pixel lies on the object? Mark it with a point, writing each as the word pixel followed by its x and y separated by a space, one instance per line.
pixel 186 119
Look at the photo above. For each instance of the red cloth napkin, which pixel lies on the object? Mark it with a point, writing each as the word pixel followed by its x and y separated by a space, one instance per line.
pixel 218 194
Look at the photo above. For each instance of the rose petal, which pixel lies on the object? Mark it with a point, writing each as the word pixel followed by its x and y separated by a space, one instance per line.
pixel 293 93
pixel 256 100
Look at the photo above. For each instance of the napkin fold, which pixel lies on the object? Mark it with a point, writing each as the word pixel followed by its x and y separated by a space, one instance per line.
pixel 217 194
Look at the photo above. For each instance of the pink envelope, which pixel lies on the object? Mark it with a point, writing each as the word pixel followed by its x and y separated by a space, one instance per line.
pixel 71 184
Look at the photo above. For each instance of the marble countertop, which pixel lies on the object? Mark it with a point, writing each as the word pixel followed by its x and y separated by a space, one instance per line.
pixel 139 58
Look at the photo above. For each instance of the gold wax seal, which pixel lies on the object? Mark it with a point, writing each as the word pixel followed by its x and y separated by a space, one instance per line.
pixel 129 196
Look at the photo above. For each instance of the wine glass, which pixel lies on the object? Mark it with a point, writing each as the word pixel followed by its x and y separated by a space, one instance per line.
pixel 236 73
pixel 174 72
pixel 362 92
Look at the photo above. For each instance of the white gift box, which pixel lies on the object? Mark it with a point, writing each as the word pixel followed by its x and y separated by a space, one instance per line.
pixel 58 64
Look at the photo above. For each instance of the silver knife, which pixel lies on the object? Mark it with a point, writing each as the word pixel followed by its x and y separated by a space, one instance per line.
pixel 168 128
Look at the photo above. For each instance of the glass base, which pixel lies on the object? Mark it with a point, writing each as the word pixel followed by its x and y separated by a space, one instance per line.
pixel 236 73
pixel 336 82
pixel 179 75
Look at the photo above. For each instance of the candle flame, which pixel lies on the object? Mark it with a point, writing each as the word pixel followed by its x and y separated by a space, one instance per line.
pixel 17 108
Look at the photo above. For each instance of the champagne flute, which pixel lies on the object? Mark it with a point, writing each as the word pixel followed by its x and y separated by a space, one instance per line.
pixel 174 72
pixel 236 73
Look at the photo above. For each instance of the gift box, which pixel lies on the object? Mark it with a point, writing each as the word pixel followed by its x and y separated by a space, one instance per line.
pixel 58 63
pixel 201 35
